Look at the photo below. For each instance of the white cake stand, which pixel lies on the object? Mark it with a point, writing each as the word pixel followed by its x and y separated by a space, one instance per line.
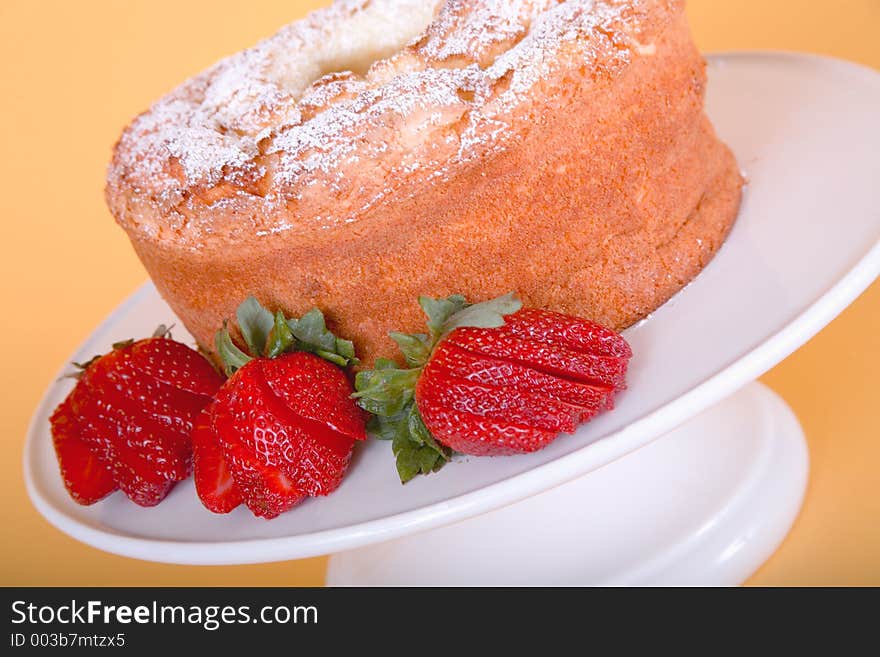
pixel 704 504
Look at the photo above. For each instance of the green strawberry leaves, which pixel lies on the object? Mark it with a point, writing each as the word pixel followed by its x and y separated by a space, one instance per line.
pixel 414 447
pixel 416 349
pixel 280 338
pixel 267 335
pixel 440 310
pixel 446 315
pixel 255 323
pixel 489 314
pixel 312 335
pixel 233 358
pixel 388 391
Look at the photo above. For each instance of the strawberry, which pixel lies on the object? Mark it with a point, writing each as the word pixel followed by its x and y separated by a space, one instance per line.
pixel 214 483
pixel 127 422
pixel 490 379
pixel 86 475
pixel 283 426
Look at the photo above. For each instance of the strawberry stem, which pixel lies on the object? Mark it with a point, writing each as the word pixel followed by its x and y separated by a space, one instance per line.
pixel 388 391
pixel 269 336
pixel 280 337
pixel 233 358
pixel 163 331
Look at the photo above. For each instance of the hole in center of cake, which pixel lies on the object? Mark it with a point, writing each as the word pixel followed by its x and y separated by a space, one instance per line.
pixel 365 36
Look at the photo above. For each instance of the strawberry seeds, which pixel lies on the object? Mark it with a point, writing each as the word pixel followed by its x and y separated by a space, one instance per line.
pixel 486 379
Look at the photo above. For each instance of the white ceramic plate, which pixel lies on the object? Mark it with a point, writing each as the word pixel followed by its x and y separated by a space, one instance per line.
pixel 804 130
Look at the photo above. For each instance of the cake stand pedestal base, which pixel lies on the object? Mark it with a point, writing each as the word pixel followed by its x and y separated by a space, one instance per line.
pixel 706 504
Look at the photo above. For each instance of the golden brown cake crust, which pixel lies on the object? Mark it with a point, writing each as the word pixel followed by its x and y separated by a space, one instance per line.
pixel 591 182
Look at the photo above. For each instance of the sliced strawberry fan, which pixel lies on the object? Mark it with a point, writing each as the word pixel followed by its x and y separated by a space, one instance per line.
pixel 490 379
pixel 283 426
pixel 486 379
pixel 127 422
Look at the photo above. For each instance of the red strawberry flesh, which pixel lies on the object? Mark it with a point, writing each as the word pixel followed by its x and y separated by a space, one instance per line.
pixel 265 490
pixel 167 449
pixel 134 408
pixel 86 475
pixel 567 331
pixel 461 364
pixel 215 484
pixel 542 356
pixel 504 403
pixel 170 406
pixel 476 435
pixel 317 390
pixel 135 475
pixel 514 388
pixel 175 364
pixel 258 425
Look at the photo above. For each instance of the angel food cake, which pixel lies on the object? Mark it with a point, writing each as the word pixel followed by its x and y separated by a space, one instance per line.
pixel 378 150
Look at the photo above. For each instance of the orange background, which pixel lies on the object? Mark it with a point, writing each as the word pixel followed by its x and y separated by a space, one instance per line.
pixel 73 73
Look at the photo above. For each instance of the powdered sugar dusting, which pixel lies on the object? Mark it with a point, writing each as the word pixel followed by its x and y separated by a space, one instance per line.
pixel 302 131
